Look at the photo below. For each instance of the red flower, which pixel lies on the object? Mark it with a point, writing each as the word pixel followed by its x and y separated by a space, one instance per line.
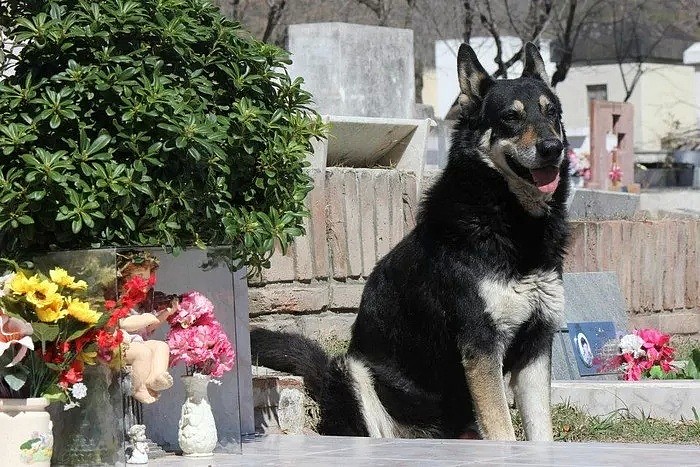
pixel 73 375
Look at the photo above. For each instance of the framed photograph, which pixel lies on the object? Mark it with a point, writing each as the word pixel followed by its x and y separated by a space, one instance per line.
pixel 588 341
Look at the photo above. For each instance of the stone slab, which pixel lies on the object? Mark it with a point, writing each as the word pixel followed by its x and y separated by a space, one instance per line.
pixel 602 205
pixel 590 296
pixel 670 400
pixel 354 69
pixel 315 451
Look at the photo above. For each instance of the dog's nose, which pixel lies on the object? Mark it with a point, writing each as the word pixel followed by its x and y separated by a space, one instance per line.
pixel 550 149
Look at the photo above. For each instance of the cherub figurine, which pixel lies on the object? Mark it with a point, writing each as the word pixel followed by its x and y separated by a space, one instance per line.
pixel 148 358
pixel 138 452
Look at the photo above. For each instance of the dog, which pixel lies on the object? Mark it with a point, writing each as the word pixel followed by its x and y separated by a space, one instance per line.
pixel 474 292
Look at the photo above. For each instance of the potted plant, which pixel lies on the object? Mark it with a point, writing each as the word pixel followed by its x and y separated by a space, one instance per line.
pixel 49 335
pixel 156 123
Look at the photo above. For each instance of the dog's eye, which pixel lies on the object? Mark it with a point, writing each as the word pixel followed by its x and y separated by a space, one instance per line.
pixel 511 116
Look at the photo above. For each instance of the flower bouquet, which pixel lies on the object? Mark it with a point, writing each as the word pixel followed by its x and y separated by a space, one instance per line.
pixel 645 353
pixel 49 332
pixel 49 337
pixel 198 340
pixel 579 165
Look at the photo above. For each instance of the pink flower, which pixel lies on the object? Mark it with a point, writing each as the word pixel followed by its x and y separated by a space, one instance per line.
pixel 193 307
pixel 197 339
pixel 15 331
pixel 615 173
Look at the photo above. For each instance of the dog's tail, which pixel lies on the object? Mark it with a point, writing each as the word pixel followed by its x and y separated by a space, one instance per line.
pixel 293 354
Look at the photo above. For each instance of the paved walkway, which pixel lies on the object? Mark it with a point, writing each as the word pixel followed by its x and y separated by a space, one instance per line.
pixel 315 451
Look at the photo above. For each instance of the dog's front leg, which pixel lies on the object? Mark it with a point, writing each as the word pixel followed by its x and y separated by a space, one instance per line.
pixel 485 379
pixel 532 387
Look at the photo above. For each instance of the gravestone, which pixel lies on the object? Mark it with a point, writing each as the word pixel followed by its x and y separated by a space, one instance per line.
pixel 590 296
pixel 353 69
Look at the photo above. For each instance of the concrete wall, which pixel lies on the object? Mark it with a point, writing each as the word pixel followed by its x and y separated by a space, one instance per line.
pixel 355 70
pixel 664 97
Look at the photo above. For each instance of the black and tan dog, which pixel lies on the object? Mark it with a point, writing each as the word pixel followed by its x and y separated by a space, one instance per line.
pixel 472 293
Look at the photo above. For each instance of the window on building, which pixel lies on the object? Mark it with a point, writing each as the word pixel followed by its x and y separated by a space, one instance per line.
pixel 597 92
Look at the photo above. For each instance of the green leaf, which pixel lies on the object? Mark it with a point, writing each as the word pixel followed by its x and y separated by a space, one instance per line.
pixel 44 332
pixel 656 372
pixel 15 380
pixel 28 444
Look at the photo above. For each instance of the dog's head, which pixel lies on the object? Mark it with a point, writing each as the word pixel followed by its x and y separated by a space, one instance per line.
pixel 519 122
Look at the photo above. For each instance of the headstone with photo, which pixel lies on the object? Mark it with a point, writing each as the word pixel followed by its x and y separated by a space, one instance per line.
pixel 591 297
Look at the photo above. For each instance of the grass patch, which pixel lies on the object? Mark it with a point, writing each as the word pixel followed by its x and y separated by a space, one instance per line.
pixel 334 346
pixel 684 345
pixel 572 424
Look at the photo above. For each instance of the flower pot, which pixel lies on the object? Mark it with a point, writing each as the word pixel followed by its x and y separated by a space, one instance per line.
pixel 25 432
pixel 197 434
pixel 92 433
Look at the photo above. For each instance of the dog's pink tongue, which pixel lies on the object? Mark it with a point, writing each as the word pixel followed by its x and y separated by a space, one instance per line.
pixel 546 179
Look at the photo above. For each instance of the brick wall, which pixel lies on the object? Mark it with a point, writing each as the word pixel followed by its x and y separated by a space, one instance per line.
pixel 358 215
pixel 657 262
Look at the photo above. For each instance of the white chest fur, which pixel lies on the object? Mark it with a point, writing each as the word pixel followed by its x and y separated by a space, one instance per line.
pixel 511 303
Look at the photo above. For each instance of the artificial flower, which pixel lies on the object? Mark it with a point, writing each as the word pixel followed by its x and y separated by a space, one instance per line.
pixel 193 307
pixel 61 277
pixel 78 390
pixel 82 312
pixel 632 344
pixel 72 375
pixel 197 339
pixel 615 173
pixel 53 311
pixel 5 283
pixel 43 294
pixel 21 284
pixel 642 350
pixel 15 331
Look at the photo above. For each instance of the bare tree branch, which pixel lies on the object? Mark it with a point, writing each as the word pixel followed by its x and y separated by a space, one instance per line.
pixel 380 9
pixel 468 21
pixel 539 17
pixel 568 34
pixel 490 25
pixel 273 17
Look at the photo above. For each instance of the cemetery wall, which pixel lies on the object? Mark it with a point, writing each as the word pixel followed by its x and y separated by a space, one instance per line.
pixel 357 215
pixel 657 263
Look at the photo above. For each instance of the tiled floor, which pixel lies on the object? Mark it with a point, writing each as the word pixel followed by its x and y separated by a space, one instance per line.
pixel 313 451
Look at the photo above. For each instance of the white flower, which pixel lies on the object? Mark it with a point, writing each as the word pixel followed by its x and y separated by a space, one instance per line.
pixel 632 344
pixel 79 390
pixel 70 406
pixel 5 283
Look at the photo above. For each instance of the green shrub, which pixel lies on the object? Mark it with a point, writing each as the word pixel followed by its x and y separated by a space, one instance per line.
pixel 150 122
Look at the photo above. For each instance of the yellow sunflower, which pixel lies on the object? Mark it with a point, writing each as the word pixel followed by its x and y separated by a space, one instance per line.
pixel 82 312
pixel 53 311
pixel 43 294
pixel 61 277
pixel 21 284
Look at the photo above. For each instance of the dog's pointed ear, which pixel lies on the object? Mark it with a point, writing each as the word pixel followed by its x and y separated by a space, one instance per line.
pixel 533 65
pixel 474 82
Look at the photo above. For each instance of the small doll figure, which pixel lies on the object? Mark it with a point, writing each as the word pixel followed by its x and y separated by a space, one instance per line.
pixel 147 358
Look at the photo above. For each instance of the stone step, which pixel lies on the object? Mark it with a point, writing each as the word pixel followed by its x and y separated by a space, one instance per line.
pixel 279 401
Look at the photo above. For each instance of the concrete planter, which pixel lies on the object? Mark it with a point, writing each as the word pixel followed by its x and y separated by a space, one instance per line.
pixel 669 400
